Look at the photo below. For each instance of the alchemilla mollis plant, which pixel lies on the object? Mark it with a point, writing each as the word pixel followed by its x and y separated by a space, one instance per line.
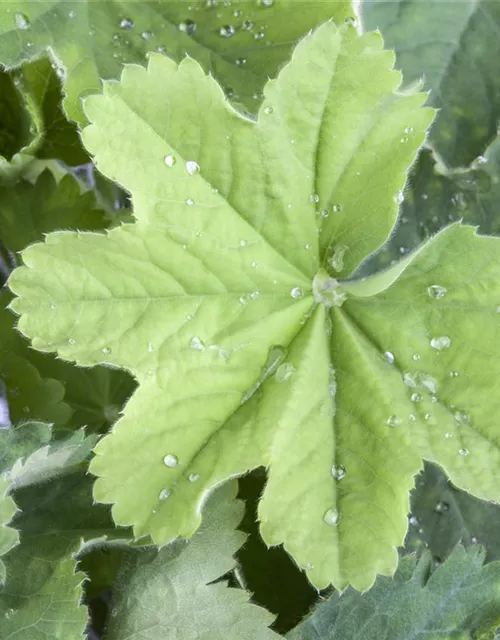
pixel 250 320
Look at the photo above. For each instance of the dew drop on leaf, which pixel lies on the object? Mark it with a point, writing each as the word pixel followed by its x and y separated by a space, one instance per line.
pixel 255 295
pixel 72 14
pixel 297 293
pixel 448 435
pixel 393 421
pixel 267 3
pixel 253 264
pixel 247 25
pixel 240 62
pixel 441 507
pixel 192 167
pixel 259 35
pixel 415 356
pixel 324 213
pixel 399 198
pixel 331 517
pixel 268 110
pixel 337 208
pixel 416 397
pixel 337 260
pixel 106 351
pixel 170 460
pixel 440 343
pixel 314 197
pixel 22 21
pixel 150 348
pixel 72 341
pixel 410 379
pixel 413 520
pixel 409 130
pixel 284 372
pixel 146 35
pixel 338 471
pixel 193 477
pixel 389 357
pixel 190 202
pixel 188 27
pixel 461 417
pixel 170 160
pixel 463 452
pixel 197 344
pixel 404 139
pixel 226 31
pixel 436 291
pixel 164 493
pixel 126 23
pixel 243 300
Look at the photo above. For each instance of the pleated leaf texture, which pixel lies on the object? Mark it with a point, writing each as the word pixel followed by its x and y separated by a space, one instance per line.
pixel 230 301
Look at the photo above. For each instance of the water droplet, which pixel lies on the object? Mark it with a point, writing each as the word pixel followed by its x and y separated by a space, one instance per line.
pixel 409 130
pixel 428 417
pixel 415 356
pixel 243 300
pixel 226 31
pixel 268 110
pixel 170 460
pixel 165 493
pixel 72 14
pixel 197 344
pixel 284 372
pixel 106 350
pixel 461 417
pixel 188 27
pixel 399 198
pixel 9 613
pixel 440 343
pixel 389 357
pixel 441 507
pixel 412 417
pixel 481 160
pixel 428 382
pixel 72 341
pixel 404 139
pixel 253 264
pixel 192 167
pixel 393 421
pixel 413 521
pixel 307 246
pixel 259 35
pixel 314 197
pixel 52 306
pixel 463 452
pixel 331 517
pixel 193 477
pixel 453 374
pixel 170 160
pixel 150 348
pixel 337 208
pixel 448 435
pixel 436 291
pixel 267 3
pixel 255 295
pixel 324 213
pixel 297 293
pixel 146 35
pixel 338 471
pixel 247 25
pixel 22 21
pixel 416 397
pixel 190 202
pixel 240 61
pixel 337 260
pixel 126 23
pixel 410 379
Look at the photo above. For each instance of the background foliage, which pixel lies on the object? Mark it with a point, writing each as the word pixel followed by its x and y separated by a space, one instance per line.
pixel 65 566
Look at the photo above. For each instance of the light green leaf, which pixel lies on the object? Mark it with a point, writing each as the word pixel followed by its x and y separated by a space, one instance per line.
pixel 14 442
pixel 29 395
pixel 241 43
pixel 442 516
pixel 41 598
pixel 163 593
pixel 458 601
pixel 454 45
pixel 219 302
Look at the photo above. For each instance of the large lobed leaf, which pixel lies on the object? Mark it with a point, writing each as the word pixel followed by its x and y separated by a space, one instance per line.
pixel 221 301
pixel 242 43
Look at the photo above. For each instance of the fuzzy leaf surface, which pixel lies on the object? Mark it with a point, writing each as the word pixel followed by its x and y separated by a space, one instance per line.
pixel 458 601
pixel 454 46
pixel 41 597
pixel 213 300
pixel 166 593
pixel 241 43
